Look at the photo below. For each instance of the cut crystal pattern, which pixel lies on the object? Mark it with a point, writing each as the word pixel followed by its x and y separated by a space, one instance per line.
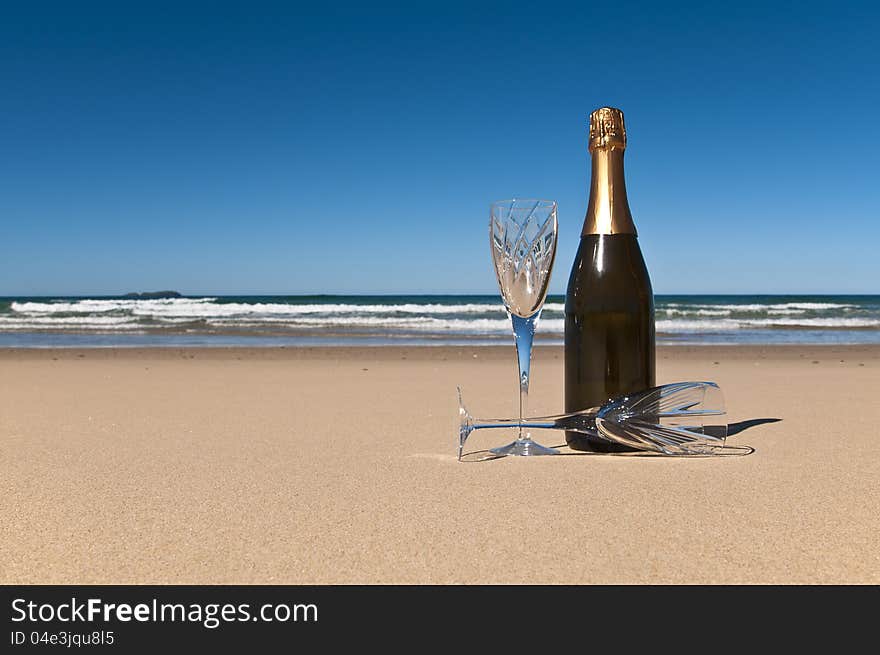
pixel 523 237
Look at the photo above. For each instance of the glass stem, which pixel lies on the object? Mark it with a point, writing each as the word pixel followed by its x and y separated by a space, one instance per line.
pixel 524 333
pixel 483 424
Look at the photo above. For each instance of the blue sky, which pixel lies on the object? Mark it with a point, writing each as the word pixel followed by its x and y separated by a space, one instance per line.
pixel 260 147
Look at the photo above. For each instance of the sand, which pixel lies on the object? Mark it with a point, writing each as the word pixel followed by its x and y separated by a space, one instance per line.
pixel 338 465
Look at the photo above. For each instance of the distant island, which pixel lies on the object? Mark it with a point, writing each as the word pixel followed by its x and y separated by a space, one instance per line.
pixel 152 295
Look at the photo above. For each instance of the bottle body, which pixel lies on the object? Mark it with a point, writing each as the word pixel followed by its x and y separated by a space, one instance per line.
pixel 609 328
pixel 609 304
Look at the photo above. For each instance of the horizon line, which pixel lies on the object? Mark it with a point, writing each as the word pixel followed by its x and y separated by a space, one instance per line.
pixel 227 294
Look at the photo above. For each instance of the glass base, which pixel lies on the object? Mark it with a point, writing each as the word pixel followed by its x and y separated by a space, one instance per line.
pixel 523 447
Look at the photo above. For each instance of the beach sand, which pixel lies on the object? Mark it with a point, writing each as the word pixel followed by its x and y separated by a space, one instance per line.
pixel 338 465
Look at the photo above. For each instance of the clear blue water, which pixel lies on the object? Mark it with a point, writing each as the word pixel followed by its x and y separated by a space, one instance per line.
pixel 413 320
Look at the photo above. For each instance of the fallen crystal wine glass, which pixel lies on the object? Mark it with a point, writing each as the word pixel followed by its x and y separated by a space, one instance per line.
pixel 682 418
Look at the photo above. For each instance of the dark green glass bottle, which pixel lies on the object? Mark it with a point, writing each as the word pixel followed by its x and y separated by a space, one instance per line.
pixel 609 305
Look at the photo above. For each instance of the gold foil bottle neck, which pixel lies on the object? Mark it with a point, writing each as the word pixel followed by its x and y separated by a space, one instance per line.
pixel 607 129
pixel 608 208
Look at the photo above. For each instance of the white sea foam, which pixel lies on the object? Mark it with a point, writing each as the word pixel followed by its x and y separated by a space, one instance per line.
pixel 550 325
pixel 99 322
pixel 416 324
pixel 82 325
pixel 696 312
pixel 680 325
pixel 101 306
pixel 813 305
pixel 743 309
pixel 247 309
pixel 69 320
pixel 814 322
pixel 754 307
pixel 207 307
pixel 684 325
pixel 478 318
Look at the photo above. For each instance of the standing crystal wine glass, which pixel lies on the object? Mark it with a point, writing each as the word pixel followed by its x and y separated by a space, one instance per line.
pixel 522 234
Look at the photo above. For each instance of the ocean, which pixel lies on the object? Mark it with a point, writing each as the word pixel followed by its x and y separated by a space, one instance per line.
pixel 413 320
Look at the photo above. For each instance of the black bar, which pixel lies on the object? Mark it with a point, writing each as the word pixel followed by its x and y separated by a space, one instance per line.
pixel 280 616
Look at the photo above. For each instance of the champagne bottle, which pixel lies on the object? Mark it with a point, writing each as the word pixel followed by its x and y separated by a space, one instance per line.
pixel 609 305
